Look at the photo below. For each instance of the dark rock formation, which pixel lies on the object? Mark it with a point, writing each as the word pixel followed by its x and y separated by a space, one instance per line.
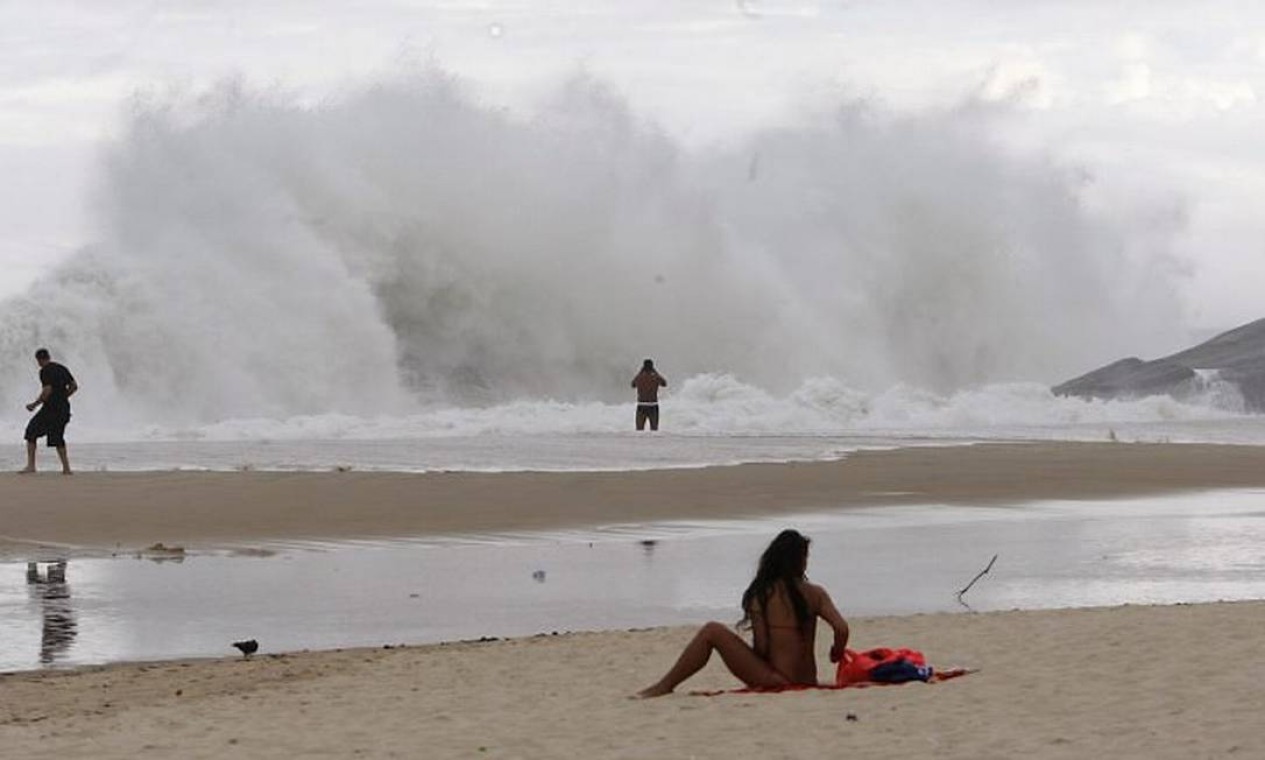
pixel 1236 357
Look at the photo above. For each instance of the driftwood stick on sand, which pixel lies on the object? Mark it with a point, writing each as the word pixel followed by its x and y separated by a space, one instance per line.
pixel 978 575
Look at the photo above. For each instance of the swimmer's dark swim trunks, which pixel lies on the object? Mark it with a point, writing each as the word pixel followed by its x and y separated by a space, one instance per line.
pixel 648 413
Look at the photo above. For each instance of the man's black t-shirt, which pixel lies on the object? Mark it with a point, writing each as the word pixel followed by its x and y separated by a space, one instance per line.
pixel 58 378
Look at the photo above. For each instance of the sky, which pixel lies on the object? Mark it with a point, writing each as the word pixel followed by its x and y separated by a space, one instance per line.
pixel 1160 102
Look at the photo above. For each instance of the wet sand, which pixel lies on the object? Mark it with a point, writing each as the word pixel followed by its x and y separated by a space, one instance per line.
pixel 192 509
pixel 1125 683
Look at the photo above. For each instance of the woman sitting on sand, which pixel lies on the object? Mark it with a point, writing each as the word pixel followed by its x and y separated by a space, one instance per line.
pixel 781 607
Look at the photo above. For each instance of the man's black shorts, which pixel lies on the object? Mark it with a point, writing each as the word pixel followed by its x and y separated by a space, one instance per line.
pixel 48 423
pixel 647 413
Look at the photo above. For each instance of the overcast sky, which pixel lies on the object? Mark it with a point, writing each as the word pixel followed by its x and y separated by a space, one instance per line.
pixel 1158 100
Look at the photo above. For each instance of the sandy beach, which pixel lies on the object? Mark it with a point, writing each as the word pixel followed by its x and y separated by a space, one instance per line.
pixel 1123 682
pixel 194 509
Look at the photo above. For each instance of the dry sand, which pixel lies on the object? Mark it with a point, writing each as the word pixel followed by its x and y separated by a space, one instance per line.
pixel 1130 682
pixel 1127 682
pixel 195 509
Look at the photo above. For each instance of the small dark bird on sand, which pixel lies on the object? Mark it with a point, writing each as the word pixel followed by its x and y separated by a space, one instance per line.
pixel 248 647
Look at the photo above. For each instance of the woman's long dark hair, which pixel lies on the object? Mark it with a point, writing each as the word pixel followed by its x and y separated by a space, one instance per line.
pixel 784 562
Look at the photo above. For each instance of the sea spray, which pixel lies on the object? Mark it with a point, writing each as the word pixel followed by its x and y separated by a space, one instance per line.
pixel 405 248
pixel 718 407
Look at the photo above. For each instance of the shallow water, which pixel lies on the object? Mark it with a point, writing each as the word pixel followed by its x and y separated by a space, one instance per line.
pixel 895 560
pixel 598 450
pixel 486 453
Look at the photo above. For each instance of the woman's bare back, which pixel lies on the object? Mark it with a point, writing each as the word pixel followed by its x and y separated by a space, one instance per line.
pixel 782 641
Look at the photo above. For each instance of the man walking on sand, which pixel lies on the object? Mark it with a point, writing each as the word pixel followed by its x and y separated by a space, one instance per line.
pixel 54 404
pixel 648 382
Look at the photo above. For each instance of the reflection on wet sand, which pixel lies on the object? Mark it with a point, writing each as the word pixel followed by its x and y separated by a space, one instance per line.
pixel 884 561
pixel 56 612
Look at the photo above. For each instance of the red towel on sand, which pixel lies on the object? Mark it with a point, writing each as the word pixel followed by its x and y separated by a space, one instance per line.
pixel 856 670
pixel 882 665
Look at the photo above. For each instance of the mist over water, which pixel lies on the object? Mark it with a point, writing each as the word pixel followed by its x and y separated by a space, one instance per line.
pixel 405 247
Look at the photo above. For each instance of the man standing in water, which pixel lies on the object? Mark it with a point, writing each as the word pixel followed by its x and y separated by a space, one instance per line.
pixel 648 382
pixel 54 403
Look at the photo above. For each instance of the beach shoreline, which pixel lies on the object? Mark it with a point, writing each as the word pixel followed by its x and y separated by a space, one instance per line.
pixel 1040 691
pixel 91 512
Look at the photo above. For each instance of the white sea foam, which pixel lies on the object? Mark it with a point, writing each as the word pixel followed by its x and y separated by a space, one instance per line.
pixel 407 260
pixel 708 420
pixel 716 405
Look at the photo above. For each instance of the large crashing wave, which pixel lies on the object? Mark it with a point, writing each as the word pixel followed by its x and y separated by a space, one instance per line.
pixel 406 245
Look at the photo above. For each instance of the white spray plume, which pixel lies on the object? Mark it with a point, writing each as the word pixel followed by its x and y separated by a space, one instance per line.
pixel 406 245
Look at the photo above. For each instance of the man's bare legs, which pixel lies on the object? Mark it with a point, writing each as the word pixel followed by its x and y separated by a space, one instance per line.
pixel 30 458
pixel 62 454
pixel 65 460
pixel 740 658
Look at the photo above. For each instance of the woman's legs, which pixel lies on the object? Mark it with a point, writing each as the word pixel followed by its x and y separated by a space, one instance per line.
pixel 740 658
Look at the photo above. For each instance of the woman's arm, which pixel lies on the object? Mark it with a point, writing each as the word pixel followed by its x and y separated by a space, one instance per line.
pixel 827 610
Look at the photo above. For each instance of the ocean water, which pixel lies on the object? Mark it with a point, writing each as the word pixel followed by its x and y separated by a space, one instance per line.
pixel 709 420
pixel 561 453
pixel 899 560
